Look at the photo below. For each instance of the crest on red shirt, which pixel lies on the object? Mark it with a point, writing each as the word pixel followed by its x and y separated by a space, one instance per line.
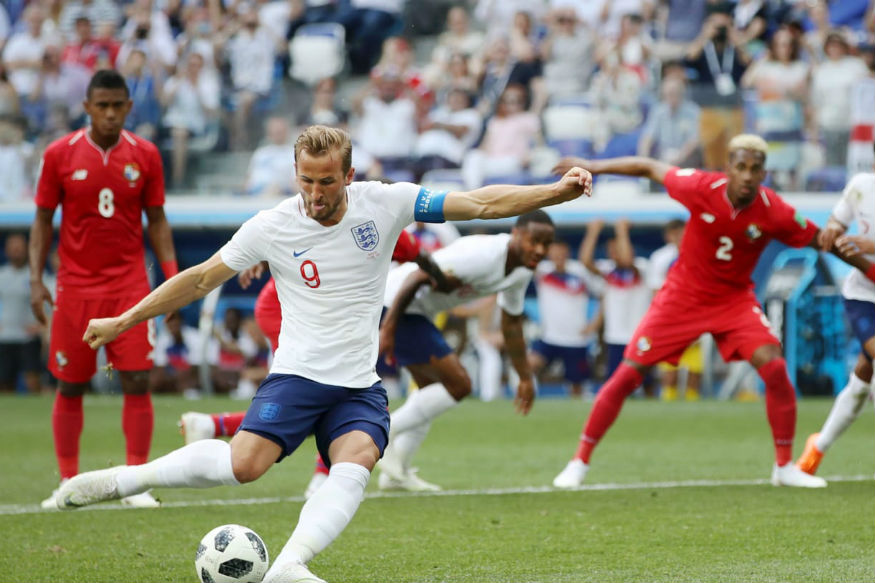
pixel 753 232
pixel 131 172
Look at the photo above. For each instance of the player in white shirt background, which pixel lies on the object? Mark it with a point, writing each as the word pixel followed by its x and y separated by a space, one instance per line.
pixel 484 265
pixel 564 287
pixel 329 250
pixel 856 205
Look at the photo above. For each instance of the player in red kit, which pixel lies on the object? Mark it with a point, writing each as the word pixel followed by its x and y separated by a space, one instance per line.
pixel 709 289
pixel 268 316
pixel 103 178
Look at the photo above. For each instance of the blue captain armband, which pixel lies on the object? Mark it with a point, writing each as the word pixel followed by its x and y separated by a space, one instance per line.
pixel 429 206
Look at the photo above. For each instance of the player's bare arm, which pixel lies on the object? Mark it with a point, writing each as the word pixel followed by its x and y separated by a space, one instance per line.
pixel 40 243
pixel 500 200
pixel 828 235
pixel 847 249
pixel 399 305
pixel 442 282
pixel 158 229
pixel 178 291
pixel 247 276
pixel 627 166
pixel 515 346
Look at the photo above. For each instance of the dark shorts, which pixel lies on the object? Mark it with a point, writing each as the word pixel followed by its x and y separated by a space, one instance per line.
pixel 18 357
pixel 417 340
pixel 575 359
pixel 288 408
pixel 861 315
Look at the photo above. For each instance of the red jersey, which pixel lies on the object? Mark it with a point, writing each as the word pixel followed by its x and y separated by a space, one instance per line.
pixel 102 197
pixel 406 249
pixel 722 244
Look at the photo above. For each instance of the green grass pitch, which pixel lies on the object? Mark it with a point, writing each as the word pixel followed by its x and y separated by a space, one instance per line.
pixel 677 492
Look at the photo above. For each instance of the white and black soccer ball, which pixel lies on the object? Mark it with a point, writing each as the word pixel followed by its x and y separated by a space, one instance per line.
pixel 231 554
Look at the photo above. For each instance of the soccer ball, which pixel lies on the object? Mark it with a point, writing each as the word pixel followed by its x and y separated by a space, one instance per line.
pixel 231 554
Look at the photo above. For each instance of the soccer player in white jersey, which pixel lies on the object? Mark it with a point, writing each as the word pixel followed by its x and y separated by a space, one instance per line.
pixel 329 249
pixel 485 265
pixel 857 203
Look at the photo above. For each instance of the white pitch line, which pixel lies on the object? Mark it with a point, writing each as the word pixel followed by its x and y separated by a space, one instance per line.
pixel 15 509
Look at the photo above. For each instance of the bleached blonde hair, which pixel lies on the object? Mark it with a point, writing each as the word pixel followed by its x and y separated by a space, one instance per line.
pixel 748 142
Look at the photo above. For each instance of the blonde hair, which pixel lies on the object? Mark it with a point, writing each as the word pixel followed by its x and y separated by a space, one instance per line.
pixel 748 142
pixel 319 140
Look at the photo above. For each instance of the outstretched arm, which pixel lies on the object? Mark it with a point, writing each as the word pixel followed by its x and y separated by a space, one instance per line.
pixel 178 291
pixel 500 200
pixel 627 166
pixel 515 346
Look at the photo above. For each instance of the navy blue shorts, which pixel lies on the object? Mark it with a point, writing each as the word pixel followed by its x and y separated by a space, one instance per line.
pixel 417 340
pixel 575 359
pixel 289 408
pixel 861 315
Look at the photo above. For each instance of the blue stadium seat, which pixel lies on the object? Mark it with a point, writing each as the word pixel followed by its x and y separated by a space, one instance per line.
pixel 573 147
pixel 828 179
pixel 515 178
pixel 621 145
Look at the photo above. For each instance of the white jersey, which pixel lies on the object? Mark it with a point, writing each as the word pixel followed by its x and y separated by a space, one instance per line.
pixel 563 301
pixel 625 300
pixel 330 280
pixel 479 261
pixel 858 203
pixel 660 262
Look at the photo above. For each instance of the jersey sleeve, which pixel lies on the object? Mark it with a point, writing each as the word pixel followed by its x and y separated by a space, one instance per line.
pixel 250 243
pixel 843 211
pixel 48 186
pixel 513 299
pixel 406 249
pixel 153 191
pixel 684 184
pixel 789 226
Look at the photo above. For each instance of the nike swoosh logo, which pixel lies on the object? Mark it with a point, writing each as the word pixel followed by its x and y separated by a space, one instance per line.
pixel 298 254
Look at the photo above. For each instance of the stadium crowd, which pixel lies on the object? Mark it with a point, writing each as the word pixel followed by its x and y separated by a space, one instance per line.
pixel 497 93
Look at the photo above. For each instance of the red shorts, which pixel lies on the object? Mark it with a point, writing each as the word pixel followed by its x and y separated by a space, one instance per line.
pixel 268 314
pixel 73 361
pixel 675 320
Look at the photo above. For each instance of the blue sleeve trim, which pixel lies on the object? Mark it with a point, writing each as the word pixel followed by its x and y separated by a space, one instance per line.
pixel 429 206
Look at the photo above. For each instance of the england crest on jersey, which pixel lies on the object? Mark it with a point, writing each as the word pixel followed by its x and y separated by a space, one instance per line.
pixel 366 236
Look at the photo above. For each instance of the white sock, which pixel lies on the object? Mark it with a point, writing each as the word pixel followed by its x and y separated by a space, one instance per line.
pixel 847 406
pixel 422 407
pixel 325 514
pixel 406 444
pixel 201 464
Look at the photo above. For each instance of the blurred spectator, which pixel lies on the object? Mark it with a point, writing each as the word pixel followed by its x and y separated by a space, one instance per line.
pixel 148 30
pixel 57 125
pixel 671 133
pixel 458 75
pixel 8 95
pixel 616 92
pixel 433 236
pixel 749 25
pixel 501 70
pixel 780 80
pixel 251 53
pixel 23 53
pixel 397 55
pixel 831 83
pixel 303 12
pixel 144 85
pixel 20 344
pixel 497 16
pixel 15 161
pixel 448 132
pixel 272 167
pixel 5 27
pixel 631 48
pixel 613 12
pixel 717 65
pixel 98 12
pixel 274 16
pixel 91 53
pixel 524 39
pixel 198 35
pixel 387 125
pixel 368 23
pixel 236 348
pixel 62 83
pixel 324 110
pixel 817 28
pixel 568 53
pixel 679 23
pixel 177 354
pixel 507 144
pixel 862 114
pixel 457 40
pixel 191 101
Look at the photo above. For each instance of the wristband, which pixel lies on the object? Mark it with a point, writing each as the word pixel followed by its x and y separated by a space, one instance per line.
pixel 170 268
pixel 870 273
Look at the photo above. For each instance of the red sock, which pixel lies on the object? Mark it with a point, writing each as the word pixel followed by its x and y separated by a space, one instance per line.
pixel 138 418
pixel 320 468
pixel 606 407
pixel 780 407
pixel 67 427
pixel 227 424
